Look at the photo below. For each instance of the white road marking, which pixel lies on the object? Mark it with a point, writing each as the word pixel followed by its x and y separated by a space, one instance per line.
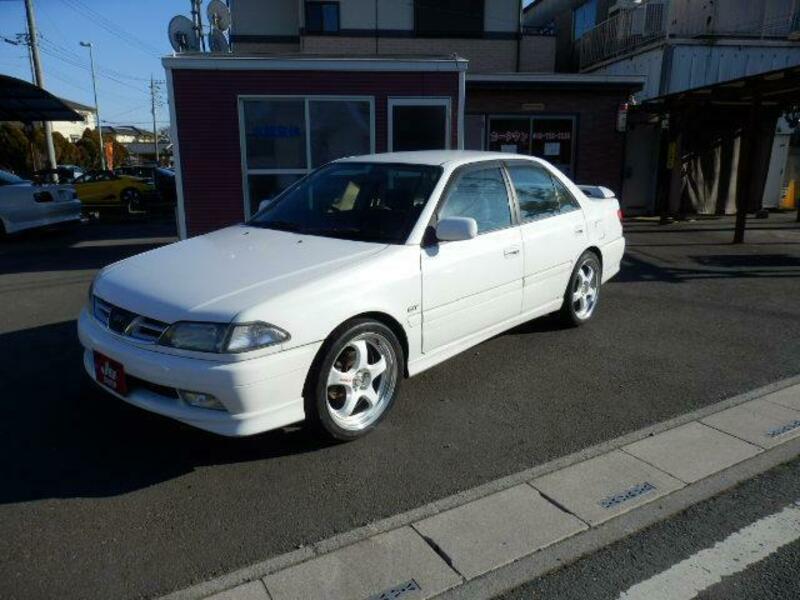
pixel 735 553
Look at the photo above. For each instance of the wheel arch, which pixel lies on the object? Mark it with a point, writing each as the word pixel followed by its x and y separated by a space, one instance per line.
pixel 598 253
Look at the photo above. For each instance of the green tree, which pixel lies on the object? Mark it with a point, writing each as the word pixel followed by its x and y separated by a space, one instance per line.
pixel 15 149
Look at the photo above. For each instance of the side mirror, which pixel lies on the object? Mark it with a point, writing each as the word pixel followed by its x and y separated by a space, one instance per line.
pixel 456 229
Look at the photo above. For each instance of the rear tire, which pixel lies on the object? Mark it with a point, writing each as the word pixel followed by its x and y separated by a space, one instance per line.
pixel 583 291
pixel 354 379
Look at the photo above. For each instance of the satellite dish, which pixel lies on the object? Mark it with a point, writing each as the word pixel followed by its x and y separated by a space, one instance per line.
pixel 217 41
pixel 182 35
pixel 219 15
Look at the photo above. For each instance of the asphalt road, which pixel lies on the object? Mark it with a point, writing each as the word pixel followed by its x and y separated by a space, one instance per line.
pixel 99 499
pixel 606 574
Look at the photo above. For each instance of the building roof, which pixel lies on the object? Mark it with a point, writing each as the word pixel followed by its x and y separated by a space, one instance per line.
pixel 125 130
pixel 23 101
pixel 315 62
pixel 779 88
pixel 77 105
pixel 557 80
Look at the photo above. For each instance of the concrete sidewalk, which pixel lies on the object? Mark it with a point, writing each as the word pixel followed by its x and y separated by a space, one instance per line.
pixel 486 540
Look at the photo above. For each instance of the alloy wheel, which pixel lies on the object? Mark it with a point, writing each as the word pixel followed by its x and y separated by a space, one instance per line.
pixel 584 291
pixel 361 381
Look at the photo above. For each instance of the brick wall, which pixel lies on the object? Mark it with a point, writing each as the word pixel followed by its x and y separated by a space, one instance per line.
pixel 274 48
pixel 206 106
pixel 599 149
pixel 537 53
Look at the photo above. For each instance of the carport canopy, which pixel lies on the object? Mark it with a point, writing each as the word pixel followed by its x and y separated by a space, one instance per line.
pixel 743 102
pixel 23 101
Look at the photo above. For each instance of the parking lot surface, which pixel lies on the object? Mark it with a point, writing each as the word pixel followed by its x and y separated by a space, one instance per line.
pixel 103 500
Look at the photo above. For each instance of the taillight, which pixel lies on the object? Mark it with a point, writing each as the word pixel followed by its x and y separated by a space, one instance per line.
pixel 619 214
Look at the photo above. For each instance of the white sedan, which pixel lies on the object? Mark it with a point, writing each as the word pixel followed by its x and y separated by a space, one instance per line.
pixel 368 270
pixel 24 205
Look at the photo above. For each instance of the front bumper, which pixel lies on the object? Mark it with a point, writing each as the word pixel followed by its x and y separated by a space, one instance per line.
pixel 260 394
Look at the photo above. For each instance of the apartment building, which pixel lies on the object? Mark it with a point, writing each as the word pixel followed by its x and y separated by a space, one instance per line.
pixel 487 33
pixel 679 46
pixel 310 81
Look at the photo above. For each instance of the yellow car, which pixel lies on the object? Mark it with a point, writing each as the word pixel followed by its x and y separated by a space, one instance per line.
pixel 105 190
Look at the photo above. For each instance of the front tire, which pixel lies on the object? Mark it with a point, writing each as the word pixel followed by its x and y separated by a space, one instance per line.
pixel 583 291
pixel 355 379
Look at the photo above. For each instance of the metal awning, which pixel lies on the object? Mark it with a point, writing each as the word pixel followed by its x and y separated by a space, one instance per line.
pixel 779 88
pixel 23 101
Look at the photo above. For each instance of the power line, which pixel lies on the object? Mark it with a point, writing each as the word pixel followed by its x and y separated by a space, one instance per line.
pixel 112 28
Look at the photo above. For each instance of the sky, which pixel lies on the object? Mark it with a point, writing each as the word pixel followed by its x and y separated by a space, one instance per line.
pixel 128 39
pixel 128 36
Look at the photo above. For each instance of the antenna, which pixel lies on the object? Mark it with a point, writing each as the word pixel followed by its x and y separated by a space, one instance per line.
pixel 217 42
pixel 183 35
pixel 219 15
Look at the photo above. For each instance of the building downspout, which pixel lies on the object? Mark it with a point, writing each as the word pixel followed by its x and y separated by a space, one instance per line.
pixel 519 38
pixel 462 100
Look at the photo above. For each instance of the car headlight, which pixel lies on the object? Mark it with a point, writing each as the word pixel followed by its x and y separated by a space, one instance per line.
pixel 200 337
pixel 250 336
pixel 220 337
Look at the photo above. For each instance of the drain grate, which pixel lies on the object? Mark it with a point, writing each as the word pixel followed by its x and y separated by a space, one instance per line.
pixel 398 591
pixel 629 494
pixel 784 429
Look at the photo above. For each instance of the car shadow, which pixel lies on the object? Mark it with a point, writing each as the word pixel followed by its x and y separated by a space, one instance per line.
pixel 82 247
pixel 63 437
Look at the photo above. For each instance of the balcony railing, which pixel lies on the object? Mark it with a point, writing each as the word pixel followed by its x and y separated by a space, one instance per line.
pixel 653 20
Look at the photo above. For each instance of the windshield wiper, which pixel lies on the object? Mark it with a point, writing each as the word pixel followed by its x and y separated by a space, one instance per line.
pixel 279 225
pixel 352 233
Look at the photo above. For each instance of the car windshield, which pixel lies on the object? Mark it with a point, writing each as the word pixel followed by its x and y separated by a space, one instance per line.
pixel 374 202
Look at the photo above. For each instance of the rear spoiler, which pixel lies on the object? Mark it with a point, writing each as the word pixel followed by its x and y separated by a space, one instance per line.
pixel 597 191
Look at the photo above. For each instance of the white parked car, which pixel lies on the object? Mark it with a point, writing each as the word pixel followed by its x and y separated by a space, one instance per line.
pixel 369 269
pixel 24 205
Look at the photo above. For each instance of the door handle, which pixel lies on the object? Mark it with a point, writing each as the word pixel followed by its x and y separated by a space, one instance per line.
pixel 578 229
pixel 511 251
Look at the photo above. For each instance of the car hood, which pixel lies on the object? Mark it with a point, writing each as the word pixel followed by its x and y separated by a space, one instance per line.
pixel 216 276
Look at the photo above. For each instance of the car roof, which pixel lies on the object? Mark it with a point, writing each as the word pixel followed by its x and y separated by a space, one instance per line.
pixel 434 157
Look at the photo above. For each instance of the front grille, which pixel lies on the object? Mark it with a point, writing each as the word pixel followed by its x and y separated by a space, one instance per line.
pixel 127 323
pixel 161 390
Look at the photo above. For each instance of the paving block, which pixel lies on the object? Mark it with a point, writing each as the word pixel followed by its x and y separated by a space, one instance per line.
pixel 760 422
pixel 380 565
pixel 692 452
pixel 253 590
pixel 498 529
pixel 788 397
pixel 605 486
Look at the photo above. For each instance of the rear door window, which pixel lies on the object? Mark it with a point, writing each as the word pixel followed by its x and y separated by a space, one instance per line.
pixel 536 193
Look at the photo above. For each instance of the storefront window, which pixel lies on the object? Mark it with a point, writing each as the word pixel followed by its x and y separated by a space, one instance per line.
pixel 266 187
pixel 550 138
pixel 275 133
pixel 284 138
pixel 510 135
pixel 419 124
pixel 338 128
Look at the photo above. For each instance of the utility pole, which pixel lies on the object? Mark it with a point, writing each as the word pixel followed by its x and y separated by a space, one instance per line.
pixel 153 111
pixel 96 107
pixel 37 71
